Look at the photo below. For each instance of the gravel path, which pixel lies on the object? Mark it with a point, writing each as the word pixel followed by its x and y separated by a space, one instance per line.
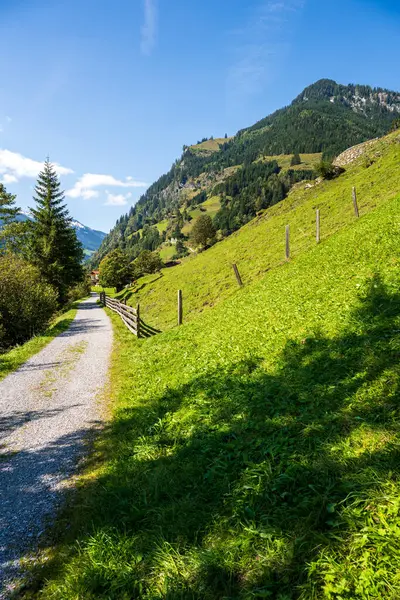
pixel 47 407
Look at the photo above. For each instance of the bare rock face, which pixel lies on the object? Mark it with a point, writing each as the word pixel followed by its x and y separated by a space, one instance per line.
pixel 352 154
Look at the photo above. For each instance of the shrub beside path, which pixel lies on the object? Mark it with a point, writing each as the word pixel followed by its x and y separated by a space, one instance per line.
pixel 47 408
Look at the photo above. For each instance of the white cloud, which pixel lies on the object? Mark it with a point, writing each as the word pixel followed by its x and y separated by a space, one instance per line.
pixel 7 178
pixel 149 27
pixel 14 166
pixel 84 187
pixel 117 199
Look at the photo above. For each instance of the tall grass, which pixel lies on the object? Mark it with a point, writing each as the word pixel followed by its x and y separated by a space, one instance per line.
pixel 208 278
pixel 254 452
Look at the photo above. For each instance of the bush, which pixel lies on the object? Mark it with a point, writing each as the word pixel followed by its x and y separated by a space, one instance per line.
pixel 181 250
pixel 327 170
pixel 80 290
pixel 27 302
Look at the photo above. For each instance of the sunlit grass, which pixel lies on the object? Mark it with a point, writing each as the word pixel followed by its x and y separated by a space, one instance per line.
pixel 254 452
pixel 208 278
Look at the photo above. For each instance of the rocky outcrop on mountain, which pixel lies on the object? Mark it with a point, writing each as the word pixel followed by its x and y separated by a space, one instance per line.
pixel 351 154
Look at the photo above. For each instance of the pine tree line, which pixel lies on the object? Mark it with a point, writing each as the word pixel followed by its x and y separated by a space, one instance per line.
pixel 40 259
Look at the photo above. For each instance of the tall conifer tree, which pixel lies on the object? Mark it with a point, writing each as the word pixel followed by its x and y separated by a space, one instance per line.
pixel 8 210
pixel 54 247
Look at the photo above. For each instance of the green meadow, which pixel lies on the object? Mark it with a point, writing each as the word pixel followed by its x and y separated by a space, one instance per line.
pixel 254 451
pixel 207 279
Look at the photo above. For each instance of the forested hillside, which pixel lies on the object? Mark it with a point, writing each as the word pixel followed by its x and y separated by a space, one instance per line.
pixel 325 118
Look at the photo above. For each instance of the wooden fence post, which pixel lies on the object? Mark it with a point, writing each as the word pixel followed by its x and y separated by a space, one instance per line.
pixel 318 226
pixel 138 320
pixel 180 308
pixel 354 192
pixel 287 237
pixel 236 271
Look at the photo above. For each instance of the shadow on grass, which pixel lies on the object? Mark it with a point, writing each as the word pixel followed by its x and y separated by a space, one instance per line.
pixel 240 494
pixel 147 330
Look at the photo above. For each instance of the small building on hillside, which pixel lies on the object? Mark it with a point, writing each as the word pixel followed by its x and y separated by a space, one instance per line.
pixel 94 277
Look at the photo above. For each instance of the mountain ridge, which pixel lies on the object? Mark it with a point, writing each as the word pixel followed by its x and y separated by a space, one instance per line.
pixel 90 239
pixel 326 117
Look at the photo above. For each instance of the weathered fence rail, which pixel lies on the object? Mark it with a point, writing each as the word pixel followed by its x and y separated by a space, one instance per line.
pixel 129 315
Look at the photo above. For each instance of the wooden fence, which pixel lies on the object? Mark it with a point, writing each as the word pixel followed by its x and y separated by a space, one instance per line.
pixel 129 315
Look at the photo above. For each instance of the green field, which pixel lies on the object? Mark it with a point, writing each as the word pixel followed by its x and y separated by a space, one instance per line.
pixel 211 206
pixel 162 225
pixel 259 246
pixel 308 161
pixel 254 451
pixel 99 288
pixel 167 251
pixel 209 145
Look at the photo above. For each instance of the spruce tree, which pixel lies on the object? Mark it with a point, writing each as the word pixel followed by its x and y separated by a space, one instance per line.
pixel 296 160
pixel 8 210
pixel 54 247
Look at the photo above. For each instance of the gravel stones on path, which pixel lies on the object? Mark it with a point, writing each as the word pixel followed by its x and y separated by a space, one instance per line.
pixel 47 408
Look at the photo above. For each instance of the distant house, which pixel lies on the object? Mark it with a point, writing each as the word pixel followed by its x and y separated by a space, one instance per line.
pixel 94 277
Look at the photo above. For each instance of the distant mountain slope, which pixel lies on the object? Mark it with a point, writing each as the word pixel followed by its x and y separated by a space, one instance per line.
pixel 326 117
pixel 90 239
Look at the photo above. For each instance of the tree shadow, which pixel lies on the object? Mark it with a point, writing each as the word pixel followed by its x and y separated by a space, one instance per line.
pixel 32 488
pixel 18 418
pixel 231 485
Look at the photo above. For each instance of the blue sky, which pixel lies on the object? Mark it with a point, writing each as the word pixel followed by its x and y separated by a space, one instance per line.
pixel 112 89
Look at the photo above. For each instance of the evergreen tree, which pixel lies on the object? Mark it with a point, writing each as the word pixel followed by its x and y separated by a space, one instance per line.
pixel 54 247
pixel 395 125
pixel 296 160
pixel 8 210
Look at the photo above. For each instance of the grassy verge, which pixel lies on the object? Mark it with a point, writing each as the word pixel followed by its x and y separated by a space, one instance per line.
pixel 11 360
pixel 99 288
pixel 254 452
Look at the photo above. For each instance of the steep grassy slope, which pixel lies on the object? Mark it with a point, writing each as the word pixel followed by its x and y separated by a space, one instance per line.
pixel 325 118
pixel 254 453
pixel 208 278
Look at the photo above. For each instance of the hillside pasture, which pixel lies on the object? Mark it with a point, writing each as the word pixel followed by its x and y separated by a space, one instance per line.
pixel 208 278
